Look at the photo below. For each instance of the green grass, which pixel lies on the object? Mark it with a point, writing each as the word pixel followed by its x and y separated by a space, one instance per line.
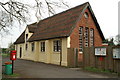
pixel 5 54
pixel 14 75
pixel 7 77
pixel 97 70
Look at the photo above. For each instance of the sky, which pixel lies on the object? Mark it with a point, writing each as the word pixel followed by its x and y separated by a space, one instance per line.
pixel 106 12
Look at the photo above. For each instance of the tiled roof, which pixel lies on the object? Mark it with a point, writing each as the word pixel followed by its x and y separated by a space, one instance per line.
pixel 59 25
pixel 21 39
pixel 32 27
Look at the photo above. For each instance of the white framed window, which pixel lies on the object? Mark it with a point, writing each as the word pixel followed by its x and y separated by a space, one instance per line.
pixel 42 46
pixel 32 46
pixel 26 37
pixel 80 38
pixel 57 45
pixel 91 37
pixel 86 35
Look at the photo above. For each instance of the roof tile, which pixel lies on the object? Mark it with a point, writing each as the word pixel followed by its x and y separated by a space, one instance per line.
pixel 59 25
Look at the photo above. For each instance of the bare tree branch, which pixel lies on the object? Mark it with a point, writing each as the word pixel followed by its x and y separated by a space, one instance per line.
pixel 14 10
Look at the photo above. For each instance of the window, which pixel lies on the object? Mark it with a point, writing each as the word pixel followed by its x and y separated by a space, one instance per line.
pixel 57 45
pixel 26 36
pixel 91 37
pixel 86 37
pixel 42 46
pixel 32 46
pixel 80 39
pixel 86 15
pixel 26 46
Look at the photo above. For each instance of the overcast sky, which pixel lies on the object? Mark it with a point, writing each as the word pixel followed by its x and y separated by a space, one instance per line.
pixel 106 12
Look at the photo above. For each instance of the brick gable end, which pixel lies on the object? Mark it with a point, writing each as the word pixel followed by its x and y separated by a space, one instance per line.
pixel 74 37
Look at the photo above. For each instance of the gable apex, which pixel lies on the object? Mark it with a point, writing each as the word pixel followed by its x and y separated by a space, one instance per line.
pixel 94 19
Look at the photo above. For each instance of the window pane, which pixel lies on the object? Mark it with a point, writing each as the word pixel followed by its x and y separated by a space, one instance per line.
pixel 32 46
pixel 26 36
pixel 86 15
pixel 57 45
pixel 86 37
pixel 42 46
pixel 91 37
pixel 80 38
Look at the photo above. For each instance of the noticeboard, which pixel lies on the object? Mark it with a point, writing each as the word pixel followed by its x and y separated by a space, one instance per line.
pixel 100 51
pixel 116 53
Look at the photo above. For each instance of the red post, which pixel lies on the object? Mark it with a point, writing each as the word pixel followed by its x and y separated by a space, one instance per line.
pixel 13 57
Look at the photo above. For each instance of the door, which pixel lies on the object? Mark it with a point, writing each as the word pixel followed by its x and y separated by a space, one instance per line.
pixel 20 52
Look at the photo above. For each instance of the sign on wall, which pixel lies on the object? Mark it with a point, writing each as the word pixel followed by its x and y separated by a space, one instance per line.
pixel 116 53
pixel 100 51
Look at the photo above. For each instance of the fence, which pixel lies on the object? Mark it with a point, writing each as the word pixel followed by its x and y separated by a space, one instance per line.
pixel 106 62
pixel 72 57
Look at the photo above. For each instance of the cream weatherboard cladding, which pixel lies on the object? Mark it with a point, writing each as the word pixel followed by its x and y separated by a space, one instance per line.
pixel 49 56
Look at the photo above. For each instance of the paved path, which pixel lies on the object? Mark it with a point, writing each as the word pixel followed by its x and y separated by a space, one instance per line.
pixel 30 69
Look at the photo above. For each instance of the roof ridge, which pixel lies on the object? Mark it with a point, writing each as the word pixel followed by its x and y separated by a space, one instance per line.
pixel 63 11
pixel 62 31
pixel 32 24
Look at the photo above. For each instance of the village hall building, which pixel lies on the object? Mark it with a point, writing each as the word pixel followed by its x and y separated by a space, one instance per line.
pixel 49 39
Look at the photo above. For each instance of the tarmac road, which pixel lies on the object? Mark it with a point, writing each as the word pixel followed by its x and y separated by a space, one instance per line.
pixel 30 69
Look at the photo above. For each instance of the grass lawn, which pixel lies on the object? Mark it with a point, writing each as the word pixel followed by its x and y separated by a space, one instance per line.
pixel 5 54
pixel 7 77
pixel 97 70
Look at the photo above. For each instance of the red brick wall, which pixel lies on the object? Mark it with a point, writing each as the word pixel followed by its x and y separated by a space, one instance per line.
pixel 74 37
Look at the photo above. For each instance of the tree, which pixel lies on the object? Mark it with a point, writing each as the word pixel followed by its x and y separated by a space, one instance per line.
pixel 18 10
pixel 117 39
pixel 4 50
pixel 11 46
pixel 109 41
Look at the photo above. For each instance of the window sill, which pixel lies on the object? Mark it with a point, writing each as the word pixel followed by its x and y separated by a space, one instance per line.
pixel 43 52
pixel 55 52
pixel 81 52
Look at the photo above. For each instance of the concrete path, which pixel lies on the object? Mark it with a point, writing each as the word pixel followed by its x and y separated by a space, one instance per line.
pixel 30 69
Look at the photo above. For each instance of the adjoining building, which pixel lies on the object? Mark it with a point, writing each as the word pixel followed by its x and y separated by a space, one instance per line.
pixel 48 40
